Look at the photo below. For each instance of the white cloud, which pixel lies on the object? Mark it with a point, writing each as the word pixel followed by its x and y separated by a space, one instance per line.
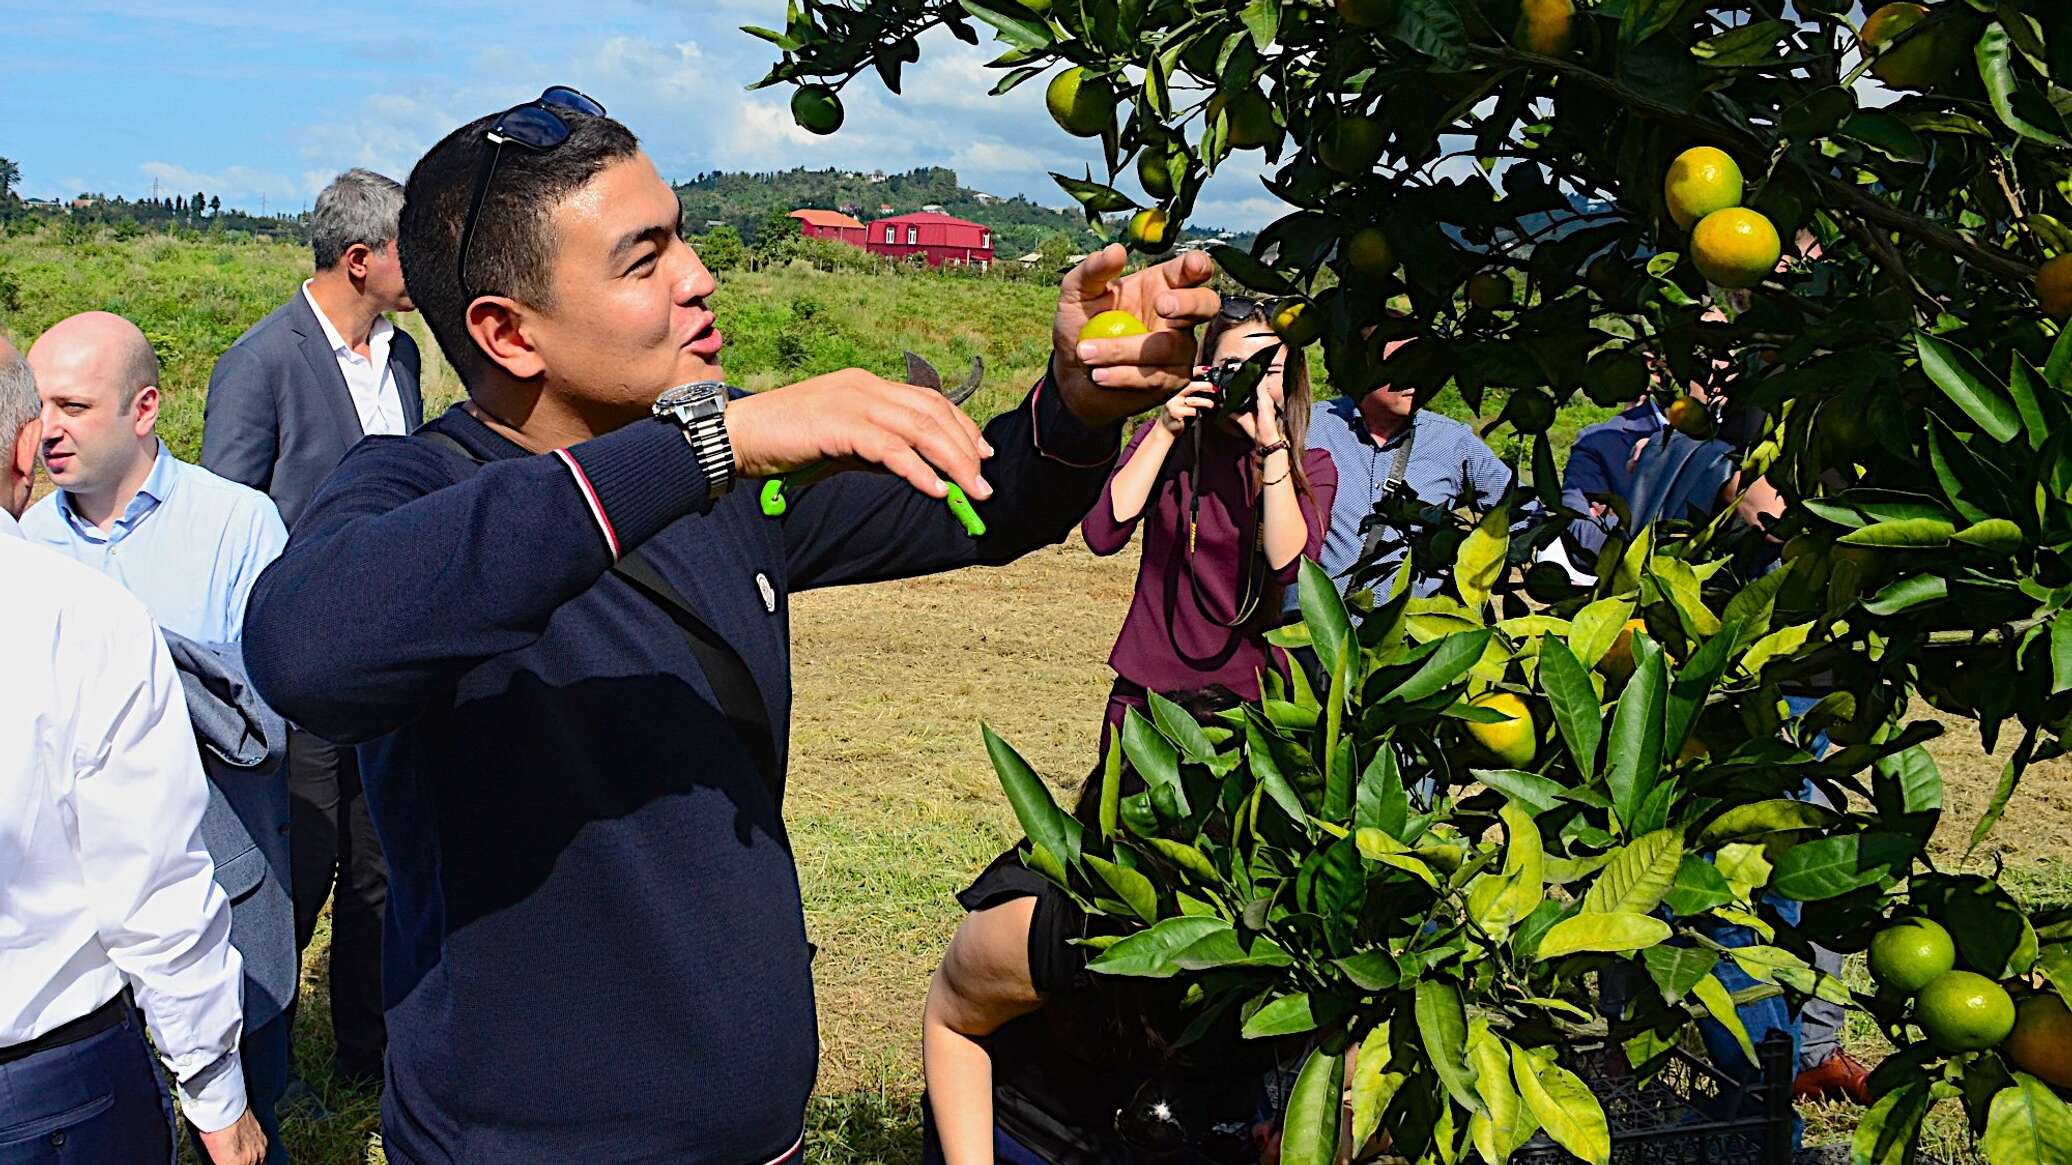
pixel 238 183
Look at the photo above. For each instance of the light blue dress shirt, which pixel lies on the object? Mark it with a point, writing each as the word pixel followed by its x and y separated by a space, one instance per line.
pixel 190 545
pixel 1449 467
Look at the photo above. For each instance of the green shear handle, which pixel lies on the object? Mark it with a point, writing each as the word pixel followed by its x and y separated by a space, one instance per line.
pixel 921 374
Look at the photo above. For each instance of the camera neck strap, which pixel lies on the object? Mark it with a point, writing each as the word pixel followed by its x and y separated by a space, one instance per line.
pixel 1399 469
pixel 1252 575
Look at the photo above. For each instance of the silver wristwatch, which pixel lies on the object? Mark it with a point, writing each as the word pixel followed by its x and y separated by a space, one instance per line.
pixel 700 410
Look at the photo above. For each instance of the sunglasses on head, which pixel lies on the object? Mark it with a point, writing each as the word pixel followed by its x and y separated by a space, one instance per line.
pixel 535 125
pixel 1239 308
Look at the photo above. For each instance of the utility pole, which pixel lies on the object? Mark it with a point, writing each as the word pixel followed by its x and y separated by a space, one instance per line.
pixel 154 190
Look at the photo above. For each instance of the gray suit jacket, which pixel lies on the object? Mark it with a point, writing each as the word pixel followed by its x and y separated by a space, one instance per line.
pixel 243 744
pixel 279 417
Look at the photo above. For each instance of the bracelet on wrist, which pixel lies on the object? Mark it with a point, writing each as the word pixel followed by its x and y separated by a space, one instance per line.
pixel 1265 451
pixel 1278 480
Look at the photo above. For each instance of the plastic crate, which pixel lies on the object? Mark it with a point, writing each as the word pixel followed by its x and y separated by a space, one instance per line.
pixel 1687 1113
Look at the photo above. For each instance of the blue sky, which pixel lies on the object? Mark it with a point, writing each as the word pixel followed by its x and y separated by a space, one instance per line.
pixel 251 101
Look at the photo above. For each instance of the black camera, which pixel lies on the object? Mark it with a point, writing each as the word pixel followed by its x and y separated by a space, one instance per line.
pixel 1234 386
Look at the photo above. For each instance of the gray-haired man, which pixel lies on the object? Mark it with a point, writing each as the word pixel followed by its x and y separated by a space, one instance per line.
pixel 285 403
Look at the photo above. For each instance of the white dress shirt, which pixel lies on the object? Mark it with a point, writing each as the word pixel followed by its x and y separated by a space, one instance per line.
pixel 103 876
pixel 372 384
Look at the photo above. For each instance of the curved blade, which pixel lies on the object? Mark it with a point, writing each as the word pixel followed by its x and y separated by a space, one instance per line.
pixel 921 373
pixel 962 392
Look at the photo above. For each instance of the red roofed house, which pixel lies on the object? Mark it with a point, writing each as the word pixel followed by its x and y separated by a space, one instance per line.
pixel 940 237
pixel 827 224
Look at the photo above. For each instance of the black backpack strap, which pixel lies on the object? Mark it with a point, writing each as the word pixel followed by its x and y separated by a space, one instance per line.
pixel 733 684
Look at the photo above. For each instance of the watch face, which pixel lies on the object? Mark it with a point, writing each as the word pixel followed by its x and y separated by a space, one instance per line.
pixel 690 394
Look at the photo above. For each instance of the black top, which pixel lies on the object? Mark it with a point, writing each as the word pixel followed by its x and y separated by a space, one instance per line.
pixel 594 949
pixel 1099 1043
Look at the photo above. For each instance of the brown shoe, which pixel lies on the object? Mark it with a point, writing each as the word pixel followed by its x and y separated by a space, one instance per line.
pixel 1839 1077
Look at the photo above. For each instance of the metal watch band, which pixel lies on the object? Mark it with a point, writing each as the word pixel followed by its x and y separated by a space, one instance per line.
pixel 714 451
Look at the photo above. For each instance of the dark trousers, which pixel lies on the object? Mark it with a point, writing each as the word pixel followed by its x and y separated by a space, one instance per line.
pixel 268 1059
pixel 331 844
pixel 92 1102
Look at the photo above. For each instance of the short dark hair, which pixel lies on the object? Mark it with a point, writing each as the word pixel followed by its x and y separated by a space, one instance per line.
pixel 514 235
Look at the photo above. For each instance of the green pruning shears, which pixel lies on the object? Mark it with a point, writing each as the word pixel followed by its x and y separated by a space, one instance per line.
pixel 922 374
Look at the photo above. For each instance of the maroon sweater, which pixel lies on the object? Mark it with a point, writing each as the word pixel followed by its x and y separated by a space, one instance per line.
pixel 1169 641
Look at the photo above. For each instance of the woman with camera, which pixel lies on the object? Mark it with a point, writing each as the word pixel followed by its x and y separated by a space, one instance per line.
pixel 1029 1058
pixel 1231 502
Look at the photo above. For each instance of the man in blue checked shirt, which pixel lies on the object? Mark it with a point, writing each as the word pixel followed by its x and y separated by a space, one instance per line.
pixel 189 544
pixel 1383 438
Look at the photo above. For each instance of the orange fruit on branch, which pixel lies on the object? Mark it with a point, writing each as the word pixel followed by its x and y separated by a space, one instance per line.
pixel 1149 231
pixel 1545 27
pixel 1701 180
pixel 1735 248
pixel 1250 114
pixel 1617 661
pixel 1351 145
pixel 1511 741
pixel 2054 287
pixel 2041 1043
pixel 1921 60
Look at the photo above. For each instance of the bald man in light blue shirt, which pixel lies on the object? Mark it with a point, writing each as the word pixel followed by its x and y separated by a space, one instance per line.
pixel 189 544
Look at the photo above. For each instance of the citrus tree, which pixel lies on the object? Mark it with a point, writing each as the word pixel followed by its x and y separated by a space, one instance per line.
pixel 1515 791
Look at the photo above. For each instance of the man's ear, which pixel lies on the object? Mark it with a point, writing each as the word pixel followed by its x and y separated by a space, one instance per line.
pixel 498 326
pixel 21 468
pixel 356 259
pixel 145 408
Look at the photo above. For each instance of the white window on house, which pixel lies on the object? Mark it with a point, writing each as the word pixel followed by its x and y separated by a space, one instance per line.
pixel 913 235
pixel 888 234
pixel 985 239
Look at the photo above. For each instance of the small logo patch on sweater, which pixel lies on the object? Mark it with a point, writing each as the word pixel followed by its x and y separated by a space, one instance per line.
pixel 762 583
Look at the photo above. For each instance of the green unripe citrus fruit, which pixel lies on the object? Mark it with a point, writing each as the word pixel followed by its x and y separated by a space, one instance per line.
pixel 1351 145
pixel 1148 231
pixel 1084 106
pixel 1368 253
pixel 1111 325
pixel 1964 1012
pixel 1489 291
pixel 1909 955
pixel 1700 181
pixel 816 109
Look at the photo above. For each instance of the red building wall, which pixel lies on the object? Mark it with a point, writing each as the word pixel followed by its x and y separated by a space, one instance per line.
pixel 939 237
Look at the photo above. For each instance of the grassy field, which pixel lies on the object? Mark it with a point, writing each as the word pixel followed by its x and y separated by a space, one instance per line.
pixel 892 803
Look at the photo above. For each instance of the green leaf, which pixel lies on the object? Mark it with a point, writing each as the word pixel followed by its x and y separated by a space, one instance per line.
pixel 1754 43
pixel 1015 24
pixel 1262 20
pixel 1638 878
pixel 1241 266
pixel 1479 564
pixel 1758 818
pixel 1434 28
pixel 1857 508
pixel 2060 651
pixel 1220 949
pixel 1678 969
pixel 1994 536
pixel 1992 932
pixel 2028 1125
pixel 1039 815
pixel 1181 729
pixel 1564 1106
pixel 1524 866
pixel 1633 756
pixel 1095 197
pixel 1832 866
pixel 1185 856
pixel 1603 933
pixel 2010 776
pixel 1995 53
pixel 1442 1023
pixel 1505 1123
pixel 1310 1127
pixel 1111 788
pixel 1133 888
pixel 1371 970
pixel 1323 611
pixel 1373 1084
pixel 1154 758
pixel 1535 792
pixel 1891 1131
pixel 1596 627
pixel 1377 846
pixel 1719 1003
pixel 1699 887
pixel 1885 133
pixel 1577 714
pixel 1285 1016
pixel 1904 534
pixel 1383 803
pixel 1151 954
pixel 1969 386
pixel 2027 387
pixel 1644 18
pixel 1455 655
pixel 1259 754
pixel 1908 593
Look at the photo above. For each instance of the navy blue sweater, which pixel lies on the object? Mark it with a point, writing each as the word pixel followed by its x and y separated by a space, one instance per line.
pixel 594 948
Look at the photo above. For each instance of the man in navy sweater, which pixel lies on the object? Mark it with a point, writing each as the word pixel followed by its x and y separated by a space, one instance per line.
pixel 594 947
